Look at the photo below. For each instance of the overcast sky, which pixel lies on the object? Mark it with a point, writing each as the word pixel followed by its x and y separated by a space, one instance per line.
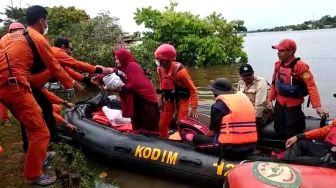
pixel 257 14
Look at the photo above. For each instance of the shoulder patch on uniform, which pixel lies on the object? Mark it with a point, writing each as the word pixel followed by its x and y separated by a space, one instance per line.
pixel 306 75
pixel 277 174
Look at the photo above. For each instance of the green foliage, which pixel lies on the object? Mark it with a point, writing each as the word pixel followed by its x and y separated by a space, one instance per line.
pixel 144 54
pixel 3 31
pixel 95 39
pixel 13 14
pixel 61 19
pixel 74 162
pixel 208 41
pixel 239 25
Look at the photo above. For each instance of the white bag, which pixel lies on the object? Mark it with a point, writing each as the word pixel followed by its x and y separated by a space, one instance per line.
pixel 115 116
pixel 113 82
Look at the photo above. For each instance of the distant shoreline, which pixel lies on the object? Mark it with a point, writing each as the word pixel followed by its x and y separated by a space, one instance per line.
pixel 249 32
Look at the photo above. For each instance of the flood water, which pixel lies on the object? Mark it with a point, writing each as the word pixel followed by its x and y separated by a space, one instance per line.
pixel 316 47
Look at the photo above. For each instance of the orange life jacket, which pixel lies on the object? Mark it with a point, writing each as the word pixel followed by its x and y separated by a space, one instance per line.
pixel 169 84
pixel 168 79
pixel 331 137
pixel 239 126
pixel 287 83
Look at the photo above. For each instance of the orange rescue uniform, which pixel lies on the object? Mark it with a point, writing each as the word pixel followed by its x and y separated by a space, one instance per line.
pixel 56 101
pixel 183 80
pixel 68 61
pixel 74 74
pixel 69 64
pixel 301 70
pixel 18 97
pixel 320 133
pixel 40 79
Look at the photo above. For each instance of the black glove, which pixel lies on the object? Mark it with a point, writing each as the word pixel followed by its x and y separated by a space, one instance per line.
pixel 98 70
pixel 86 80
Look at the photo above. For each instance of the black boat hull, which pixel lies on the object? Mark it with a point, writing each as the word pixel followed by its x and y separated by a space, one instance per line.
pixel 169 158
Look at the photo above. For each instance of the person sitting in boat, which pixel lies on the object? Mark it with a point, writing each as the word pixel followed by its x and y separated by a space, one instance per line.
pixel 138 95
pixel 256 89
pixel 304 144
pixel 232 124
pixel 177 90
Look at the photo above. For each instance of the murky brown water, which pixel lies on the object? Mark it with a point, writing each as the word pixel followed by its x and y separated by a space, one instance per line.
pixel 317 47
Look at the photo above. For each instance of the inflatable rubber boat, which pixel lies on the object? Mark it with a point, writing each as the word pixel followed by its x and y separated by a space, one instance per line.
pixel 168 157
pixel 265 174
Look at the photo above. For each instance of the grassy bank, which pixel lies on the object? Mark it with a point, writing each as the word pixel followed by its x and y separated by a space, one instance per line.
pixel 68 159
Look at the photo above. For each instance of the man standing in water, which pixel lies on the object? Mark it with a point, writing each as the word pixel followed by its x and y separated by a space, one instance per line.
pixel 291 82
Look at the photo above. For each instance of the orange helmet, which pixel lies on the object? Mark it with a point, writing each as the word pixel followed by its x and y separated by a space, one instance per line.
pixel 165 52
pixel 15 26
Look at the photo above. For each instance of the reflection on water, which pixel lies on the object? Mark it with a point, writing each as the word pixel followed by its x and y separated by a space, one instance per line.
pixel 126 179
pixel 316 47
pixel 204 76
pixel 101 184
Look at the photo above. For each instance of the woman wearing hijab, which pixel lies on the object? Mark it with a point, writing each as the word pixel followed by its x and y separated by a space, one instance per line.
pixel 138 95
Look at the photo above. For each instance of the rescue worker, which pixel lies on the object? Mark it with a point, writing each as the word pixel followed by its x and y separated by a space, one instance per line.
pixel 177 90
pixel 256 89
pixel 16 61
pixel 41 100
pixel 15 26
pixel 62 50
pixel 232 122
pixel 4 118
pixel 40 78
pixel 292 80
pixel 56 113
pixel 302 144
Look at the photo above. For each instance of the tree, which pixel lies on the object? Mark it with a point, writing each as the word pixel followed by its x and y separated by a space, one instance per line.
pixel 13 14
pixel 94 40
pixel 326 20
pixel 61 20
pixel 239 26
pixel 208 41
